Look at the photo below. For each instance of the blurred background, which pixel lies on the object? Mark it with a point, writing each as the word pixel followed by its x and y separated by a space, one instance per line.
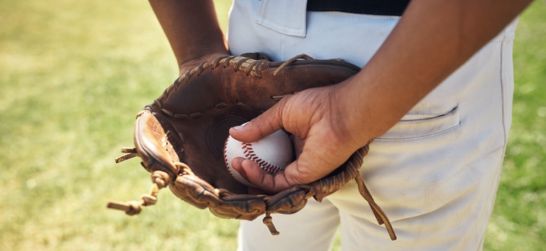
pixel 74 73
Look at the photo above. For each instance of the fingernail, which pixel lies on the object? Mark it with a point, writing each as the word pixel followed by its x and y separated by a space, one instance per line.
pixel 242 171
pixel 249 164
pixel 239 127
pixel 236 163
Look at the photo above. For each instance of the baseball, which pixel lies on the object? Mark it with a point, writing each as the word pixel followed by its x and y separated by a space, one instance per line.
pixel 272 153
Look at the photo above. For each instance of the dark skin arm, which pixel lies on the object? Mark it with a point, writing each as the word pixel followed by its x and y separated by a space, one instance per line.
pixel 191 27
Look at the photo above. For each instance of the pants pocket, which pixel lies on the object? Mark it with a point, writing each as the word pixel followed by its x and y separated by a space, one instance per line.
pixel 413 127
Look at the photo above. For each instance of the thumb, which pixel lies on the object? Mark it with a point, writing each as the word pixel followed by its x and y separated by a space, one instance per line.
pixel 261 126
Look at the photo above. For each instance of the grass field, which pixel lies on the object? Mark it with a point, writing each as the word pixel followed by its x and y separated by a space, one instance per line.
pixel 73 73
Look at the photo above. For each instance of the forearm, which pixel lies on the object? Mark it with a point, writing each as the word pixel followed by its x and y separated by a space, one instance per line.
pixel 191 27
pixel 432 39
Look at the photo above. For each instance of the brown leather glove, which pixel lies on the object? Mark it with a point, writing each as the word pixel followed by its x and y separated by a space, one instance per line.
pixel 180 137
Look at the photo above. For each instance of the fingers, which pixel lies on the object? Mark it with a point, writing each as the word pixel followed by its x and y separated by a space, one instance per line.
pixel 261 126
pixel 261 179
pixel 236 163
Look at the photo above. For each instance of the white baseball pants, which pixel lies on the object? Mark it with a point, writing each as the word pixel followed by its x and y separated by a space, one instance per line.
pixel 435 173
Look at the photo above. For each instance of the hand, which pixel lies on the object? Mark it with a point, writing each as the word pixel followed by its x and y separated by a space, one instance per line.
pixel 323 139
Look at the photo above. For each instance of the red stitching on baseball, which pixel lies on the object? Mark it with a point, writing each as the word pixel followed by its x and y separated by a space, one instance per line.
pixel 230 169
pixel 251 155
pixel 225 154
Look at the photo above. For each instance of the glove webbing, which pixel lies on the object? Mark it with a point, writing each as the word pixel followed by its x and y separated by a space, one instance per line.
pixel 160 180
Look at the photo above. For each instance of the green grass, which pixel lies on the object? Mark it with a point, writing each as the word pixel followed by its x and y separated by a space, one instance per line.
pixel 519 218
pixel 74 73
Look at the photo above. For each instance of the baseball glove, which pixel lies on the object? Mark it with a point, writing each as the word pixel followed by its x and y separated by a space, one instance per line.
pixel 180 137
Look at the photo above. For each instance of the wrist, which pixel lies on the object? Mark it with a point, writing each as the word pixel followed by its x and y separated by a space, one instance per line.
pixel 360 111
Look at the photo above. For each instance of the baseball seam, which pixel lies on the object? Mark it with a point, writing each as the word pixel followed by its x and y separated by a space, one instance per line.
pixel 226 161
pixel 230 169
pixel 251 155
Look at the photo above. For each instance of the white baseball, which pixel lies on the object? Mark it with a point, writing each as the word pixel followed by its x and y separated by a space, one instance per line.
pixel 272 153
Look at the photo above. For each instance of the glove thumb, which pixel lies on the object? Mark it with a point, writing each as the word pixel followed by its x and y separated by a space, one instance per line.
pixel 261 126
